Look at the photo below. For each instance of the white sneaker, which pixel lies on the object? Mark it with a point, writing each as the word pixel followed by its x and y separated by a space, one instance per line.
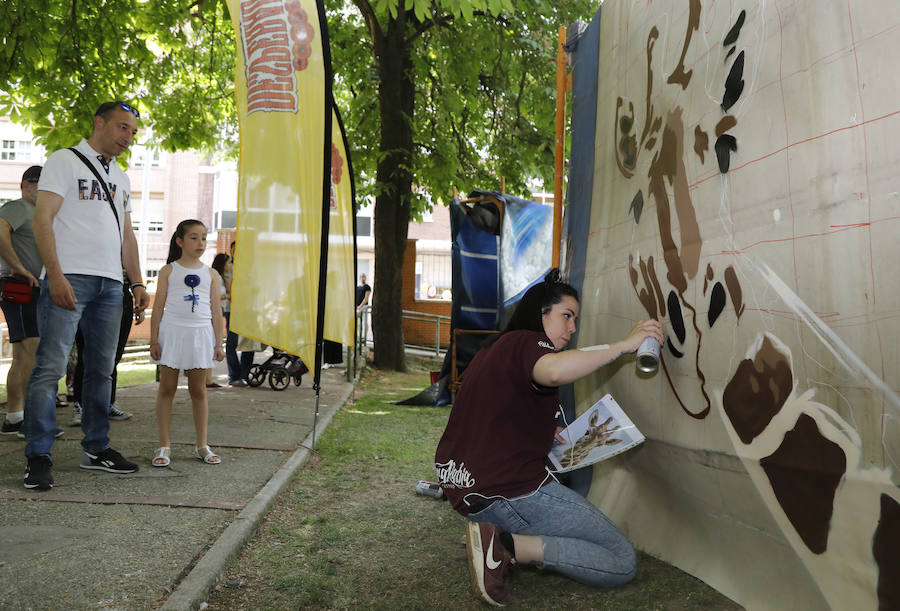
pixel 76 414
pixel 117 414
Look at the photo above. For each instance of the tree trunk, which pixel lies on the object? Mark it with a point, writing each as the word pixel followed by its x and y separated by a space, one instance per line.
pixel 396 96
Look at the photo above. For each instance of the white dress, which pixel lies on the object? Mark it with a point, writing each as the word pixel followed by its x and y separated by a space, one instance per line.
pixel 186 336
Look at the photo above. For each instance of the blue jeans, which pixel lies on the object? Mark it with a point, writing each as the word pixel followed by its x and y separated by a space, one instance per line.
pixel 99 310
pixel 579 541
pixel 238 368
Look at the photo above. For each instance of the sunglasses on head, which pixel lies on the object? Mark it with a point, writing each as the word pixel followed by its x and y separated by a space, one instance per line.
pixel 129 108
pixel 106 107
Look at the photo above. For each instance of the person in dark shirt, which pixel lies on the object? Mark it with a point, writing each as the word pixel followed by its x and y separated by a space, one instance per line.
pixel 491 459
pixel 363 293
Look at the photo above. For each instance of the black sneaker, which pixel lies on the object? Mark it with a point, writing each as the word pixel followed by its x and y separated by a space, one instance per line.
pixel 107 460
pixel 37 473
pixel 10 428
pixel 115 413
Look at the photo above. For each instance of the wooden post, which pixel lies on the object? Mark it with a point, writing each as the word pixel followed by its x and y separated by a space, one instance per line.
pixel 562 63
pixel 503 185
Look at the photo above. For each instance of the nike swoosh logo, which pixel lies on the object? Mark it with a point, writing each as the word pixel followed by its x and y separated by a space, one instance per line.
pixel 491 563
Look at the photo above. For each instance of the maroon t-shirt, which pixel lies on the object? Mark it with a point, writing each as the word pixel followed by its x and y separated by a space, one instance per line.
pixel 502 424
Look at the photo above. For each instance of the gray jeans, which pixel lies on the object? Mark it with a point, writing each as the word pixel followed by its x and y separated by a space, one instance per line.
pixel 579 541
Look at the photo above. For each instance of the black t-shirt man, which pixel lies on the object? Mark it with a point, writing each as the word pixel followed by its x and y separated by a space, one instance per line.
pixel 362 291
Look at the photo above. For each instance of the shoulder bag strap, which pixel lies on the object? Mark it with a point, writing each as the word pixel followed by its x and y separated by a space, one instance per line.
pixel 109 197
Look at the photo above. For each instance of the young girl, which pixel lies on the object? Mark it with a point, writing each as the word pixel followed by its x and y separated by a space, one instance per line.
pixel 185 335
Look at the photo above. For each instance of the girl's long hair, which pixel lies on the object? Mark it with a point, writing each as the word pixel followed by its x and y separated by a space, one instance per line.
pixel 537 301
pixel 174 248
pixel 219 263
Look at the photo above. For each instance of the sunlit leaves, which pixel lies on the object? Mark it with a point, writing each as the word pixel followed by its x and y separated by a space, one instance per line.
pixel 485 93
pixel 174 59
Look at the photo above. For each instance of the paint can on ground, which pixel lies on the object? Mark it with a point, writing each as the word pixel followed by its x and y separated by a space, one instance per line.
pixel 429 489
pixel 647 357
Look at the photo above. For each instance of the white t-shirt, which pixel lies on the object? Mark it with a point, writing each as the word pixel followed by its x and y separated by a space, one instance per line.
pixel 88 240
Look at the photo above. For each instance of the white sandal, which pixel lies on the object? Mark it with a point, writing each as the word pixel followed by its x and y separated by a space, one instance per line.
pixel 162 457
pixel 210 458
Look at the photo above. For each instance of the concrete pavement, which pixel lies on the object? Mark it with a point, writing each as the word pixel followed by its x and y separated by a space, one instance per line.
pixel 158 537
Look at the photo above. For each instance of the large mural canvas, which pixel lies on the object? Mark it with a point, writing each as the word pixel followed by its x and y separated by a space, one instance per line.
pixel 746 192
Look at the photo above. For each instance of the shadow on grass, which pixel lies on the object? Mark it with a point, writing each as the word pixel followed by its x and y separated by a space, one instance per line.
pixel 350 532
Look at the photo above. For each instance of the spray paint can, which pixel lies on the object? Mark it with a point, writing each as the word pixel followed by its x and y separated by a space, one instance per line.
pixel 648 355
pixel 429 489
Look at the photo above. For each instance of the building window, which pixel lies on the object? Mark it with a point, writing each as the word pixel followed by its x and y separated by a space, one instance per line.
pixel 156 226
pixel 15 150
pixel 434 276
pixel 226 219
pixel 8 150
pixel 364 226
pixel 139 152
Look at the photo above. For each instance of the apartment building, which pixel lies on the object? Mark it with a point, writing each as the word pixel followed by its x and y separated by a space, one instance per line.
pixel 166 188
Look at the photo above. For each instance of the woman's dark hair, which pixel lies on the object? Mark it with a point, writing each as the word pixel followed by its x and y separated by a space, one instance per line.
pixel 537 301
pixel 174 248
pixel 219 263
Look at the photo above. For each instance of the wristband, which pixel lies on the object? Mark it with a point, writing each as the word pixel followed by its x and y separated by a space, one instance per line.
pixel 218 346
pixel 134 284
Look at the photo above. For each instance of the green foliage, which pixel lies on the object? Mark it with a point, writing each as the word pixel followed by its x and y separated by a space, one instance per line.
pixel 485 91
pixel 172 59
pixel 484 82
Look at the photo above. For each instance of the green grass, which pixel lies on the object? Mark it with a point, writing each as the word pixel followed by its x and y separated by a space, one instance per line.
pixel 350 532
pixel 130 374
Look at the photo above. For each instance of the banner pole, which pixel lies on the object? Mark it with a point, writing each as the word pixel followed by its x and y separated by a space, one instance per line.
pixel 561 66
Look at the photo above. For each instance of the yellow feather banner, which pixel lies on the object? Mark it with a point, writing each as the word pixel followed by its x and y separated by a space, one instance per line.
pixel 282 86
pixel 340 296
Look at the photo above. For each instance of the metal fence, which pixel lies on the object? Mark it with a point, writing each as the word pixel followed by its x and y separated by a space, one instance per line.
pixel 363 335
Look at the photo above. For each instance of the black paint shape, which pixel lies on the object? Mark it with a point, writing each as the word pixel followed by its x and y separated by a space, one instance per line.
pixel 716 303
pixel 676 317
pixel 725 144
pixel 675 351
pixel 885 543
pixel 732 35
pixel 637 206
pixel 734 84
pixel 730 51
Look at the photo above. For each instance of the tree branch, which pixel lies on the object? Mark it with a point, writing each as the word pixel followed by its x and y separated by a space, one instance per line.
pixel 375 31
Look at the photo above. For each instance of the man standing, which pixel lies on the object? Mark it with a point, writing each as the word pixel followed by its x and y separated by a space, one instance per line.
pixel 20 268
pixel 238 367
pixel 363 292
pixel 81 195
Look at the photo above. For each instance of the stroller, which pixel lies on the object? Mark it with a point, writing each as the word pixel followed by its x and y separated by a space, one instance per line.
pixel 280 368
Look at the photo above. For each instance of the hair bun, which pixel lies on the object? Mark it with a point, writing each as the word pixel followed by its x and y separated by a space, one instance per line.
pixel 552 277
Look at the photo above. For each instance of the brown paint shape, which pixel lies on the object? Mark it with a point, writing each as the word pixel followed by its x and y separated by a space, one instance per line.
pixel 643 295
pixel 885 545
pixel 701 143
pixel 726 123
pixel 734 289
pixel 757 390
pixel 697 415
pixel 669 163
pixel 659 296
pixel 649 285
pixel 648 116
pixel 679 75
pixel 708 278
pixel 626 146
pixel 804 473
